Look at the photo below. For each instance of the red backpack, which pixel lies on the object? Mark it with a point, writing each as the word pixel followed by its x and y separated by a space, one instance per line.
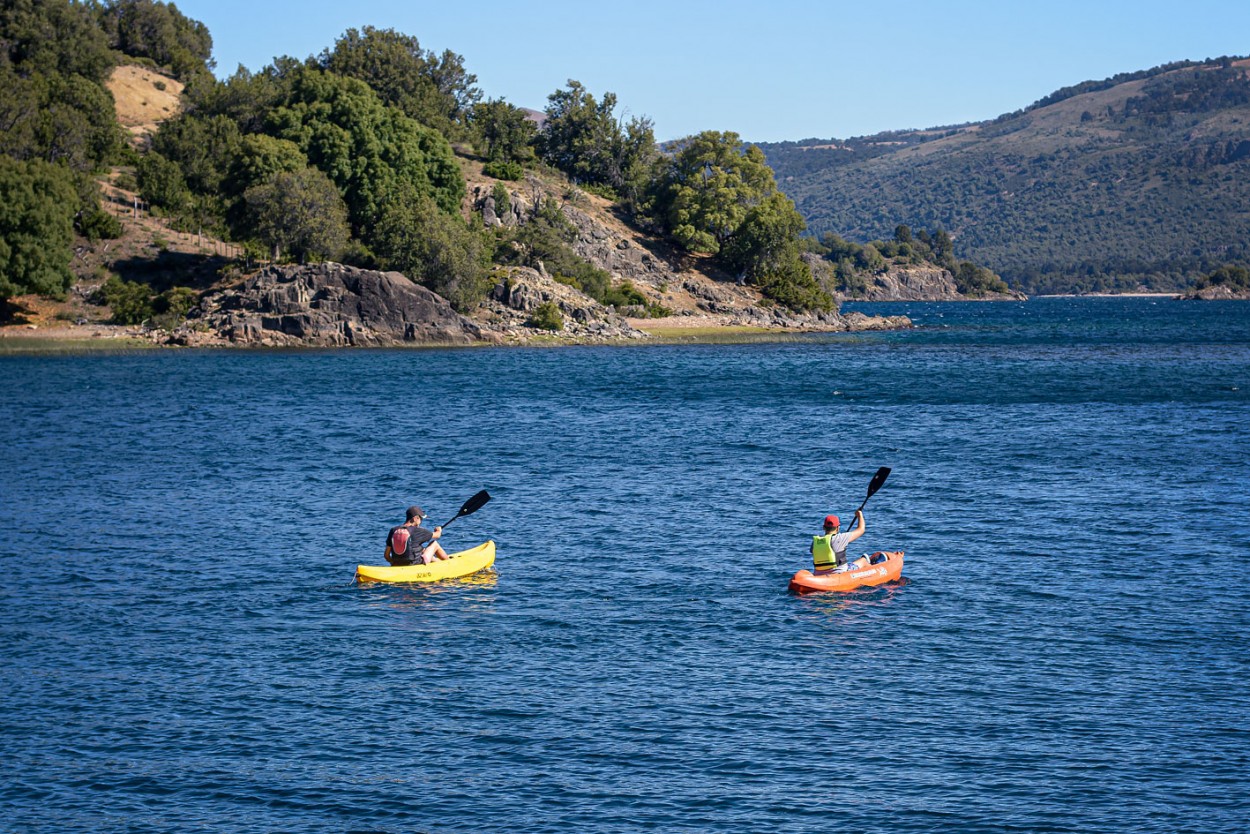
pixel 399 541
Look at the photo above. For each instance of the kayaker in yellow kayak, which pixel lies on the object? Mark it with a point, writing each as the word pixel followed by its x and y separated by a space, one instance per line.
pixel 829 550
pixel 410 543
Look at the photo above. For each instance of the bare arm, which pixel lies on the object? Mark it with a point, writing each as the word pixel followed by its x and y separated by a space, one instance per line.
pixel 858 531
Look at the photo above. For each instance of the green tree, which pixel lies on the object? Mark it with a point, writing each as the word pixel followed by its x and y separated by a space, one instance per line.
pixel 503 132
pixel 1232 276
pixel 974 280
pixel 767 239
pixel 367 149
pixel 245 97
pixel 259 159
pixel 91 220
pixel 299 212
pixel 147 29
pixel 37 205
pixel 712 182
pixel 792 285
pixel 161 182
pixel 436 90
pixel 870 259
pixel 57 118
pixel 203 147
pixel 546 316
pixel 435 249
pixel 583 138
pixel 54 38
pixel 130 301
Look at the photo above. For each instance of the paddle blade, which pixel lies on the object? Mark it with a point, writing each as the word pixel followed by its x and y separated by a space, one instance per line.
pixel 475 503
pixel 877 481
pixel 471 506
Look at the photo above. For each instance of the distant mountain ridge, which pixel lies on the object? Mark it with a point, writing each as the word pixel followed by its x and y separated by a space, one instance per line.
pixel 1137 182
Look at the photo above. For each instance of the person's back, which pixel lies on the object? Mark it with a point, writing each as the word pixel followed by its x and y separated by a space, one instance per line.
pixel 829 550
pixel 405 543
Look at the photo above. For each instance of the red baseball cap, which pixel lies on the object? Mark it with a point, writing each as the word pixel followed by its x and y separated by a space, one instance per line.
pixel 832 521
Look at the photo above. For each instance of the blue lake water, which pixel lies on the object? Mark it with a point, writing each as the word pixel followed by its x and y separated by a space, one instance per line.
pixel 182 647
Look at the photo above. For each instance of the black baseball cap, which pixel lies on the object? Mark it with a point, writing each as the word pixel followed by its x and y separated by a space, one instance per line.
pixel 415 512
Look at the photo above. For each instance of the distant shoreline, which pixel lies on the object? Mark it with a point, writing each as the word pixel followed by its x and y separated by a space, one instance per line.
pixel 1110 295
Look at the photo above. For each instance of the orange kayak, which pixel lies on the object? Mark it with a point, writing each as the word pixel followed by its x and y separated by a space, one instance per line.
pixel 877 569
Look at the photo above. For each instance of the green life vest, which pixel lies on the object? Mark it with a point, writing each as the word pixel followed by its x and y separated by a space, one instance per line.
pixel 822 551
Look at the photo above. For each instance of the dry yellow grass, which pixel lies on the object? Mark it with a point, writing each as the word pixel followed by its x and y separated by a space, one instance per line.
pixel 140 103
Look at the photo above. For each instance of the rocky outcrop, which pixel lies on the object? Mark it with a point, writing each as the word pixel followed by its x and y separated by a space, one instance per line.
pixel 327 304
pixel 513 301
pixel 689 286
pixel 611 246
pixel 920 283
pixel 923 283
pixel 1216 292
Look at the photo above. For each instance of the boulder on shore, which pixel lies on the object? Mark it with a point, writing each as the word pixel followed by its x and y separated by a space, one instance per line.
pixel 328 304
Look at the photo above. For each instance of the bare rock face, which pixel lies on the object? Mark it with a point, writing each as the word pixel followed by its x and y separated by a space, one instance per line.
pixel 330 304
pixel 523 290
pixel 1215 292
pixel 917 283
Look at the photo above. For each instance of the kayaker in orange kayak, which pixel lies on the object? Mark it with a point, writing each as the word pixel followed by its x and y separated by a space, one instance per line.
pixel 829 550
pixel 410 543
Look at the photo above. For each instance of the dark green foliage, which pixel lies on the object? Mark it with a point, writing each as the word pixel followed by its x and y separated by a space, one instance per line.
pixel 245 97
pixel 57 118
pixel 436 90
pixel 854 264
pixel 504 133
pixel 95 224
pixel 583 138
pixel 435 249
pixel 203 148
pixel 1234 277
pixel 170 308
pixel 791 284
pixel 53 38
pixel 37 205
pixel 260 158
pixel 766 240
pixel 503 200
pixel 161 182
pixel 717 195
pixel 130 301
pixel 299 212
pixel 1136 187
pixel 546 316
pixel 511 171
pixel 367 149
pixel 147 29
pixel 975 281
pixel 709 186
pixel 91 221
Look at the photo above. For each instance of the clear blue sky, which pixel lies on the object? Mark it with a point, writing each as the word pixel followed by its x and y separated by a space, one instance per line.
pixel 769 70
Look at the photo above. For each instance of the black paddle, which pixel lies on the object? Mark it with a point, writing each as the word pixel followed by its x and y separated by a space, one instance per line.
pixel 478 501
pixel 873 486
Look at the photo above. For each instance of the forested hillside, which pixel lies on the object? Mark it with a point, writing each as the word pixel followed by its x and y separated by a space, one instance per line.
pixel 356 154
pixel 1141 181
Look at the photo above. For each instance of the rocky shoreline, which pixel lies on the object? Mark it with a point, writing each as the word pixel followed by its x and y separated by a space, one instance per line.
pixel 333 305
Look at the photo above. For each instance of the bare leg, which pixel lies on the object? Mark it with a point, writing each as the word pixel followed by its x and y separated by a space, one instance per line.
pixel 432 552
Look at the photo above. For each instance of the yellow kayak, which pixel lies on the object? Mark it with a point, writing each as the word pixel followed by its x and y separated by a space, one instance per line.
pixel 455 565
